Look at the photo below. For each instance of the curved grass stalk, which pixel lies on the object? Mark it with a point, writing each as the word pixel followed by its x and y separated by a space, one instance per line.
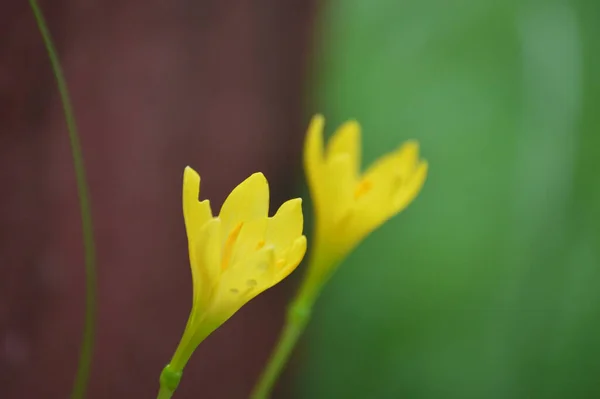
pixel 87 345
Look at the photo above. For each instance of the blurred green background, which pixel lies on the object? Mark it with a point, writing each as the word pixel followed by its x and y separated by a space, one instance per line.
pixel 488 285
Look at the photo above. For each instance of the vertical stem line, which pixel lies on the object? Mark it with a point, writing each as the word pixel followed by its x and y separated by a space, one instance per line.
pixel 87 345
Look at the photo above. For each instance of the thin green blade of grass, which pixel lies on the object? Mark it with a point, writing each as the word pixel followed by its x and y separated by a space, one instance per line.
pixel 87 345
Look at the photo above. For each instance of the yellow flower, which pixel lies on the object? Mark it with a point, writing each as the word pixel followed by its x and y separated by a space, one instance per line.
pixel 350 204
pixel 236 255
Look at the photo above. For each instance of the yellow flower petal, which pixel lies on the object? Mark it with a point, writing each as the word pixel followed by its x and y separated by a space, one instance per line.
pixel 250 239
pixel 232 257
pixel 412 187
pixel 350 205
pixel 392 188
pixel 388 165
pixel 313 156
pixel 195 213
pixel 346 141
pixel 409 158
pixel 206 269
pixel 292 259
pixel 337 190
pixel 242 282
pixel 285 226
pixel 248 201
pixel 253 272
pixel 386 176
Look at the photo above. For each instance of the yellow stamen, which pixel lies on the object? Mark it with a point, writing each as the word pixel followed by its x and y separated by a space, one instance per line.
pixel 363 187
pixel 260 244
pixel 229 244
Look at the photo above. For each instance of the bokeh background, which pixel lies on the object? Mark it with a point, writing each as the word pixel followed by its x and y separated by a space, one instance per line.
pixel 486 286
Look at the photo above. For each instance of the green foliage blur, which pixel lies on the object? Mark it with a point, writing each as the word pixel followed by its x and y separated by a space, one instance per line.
pixel 488 285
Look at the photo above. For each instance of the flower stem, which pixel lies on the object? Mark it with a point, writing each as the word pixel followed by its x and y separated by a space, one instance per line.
pixel 164 393
pixel 87 345
pixel 298 316
pixel 320 267
pixel 169 381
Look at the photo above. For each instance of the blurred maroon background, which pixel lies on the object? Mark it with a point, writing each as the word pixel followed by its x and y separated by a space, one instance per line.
pixel 156 85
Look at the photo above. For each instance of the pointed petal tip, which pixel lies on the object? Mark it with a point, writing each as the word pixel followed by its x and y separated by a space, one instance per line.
pixel 255 180
pixel 424 166
pixel 260 182
pixel 191 189
pixel 409 152
pixel 188 169
pixel 247 201
pixel 412 143
pixel 206 203
pixel 316 125
pixel 296 201
pixel 258 176
pixel 293 204
pixel 353 123
pixel 318 117
pixel 190 175
pixel 347 135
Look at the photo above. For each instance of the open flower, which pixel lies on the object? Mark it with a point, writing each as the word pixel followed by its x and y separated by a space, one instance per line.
pixel 236 255
pixel 350 204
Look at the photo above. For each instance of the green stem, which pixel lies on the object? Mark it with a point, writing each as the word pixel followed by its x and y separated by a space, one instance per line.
pixel 321 265
pixel 297 318
pixel 169 381
pixel 87 345
pixel 164 393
